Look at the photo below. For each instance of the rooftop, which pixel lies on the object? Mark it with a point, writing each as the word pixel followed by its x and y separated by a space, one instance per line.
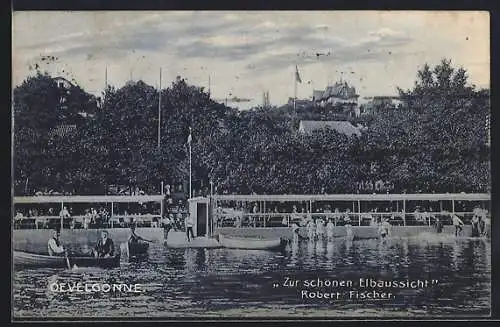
pixel 343 127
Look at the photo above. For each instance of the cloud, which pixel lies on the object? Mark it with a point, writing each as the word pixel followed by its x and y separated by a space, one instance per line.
pixel 385 32
pixel 332 50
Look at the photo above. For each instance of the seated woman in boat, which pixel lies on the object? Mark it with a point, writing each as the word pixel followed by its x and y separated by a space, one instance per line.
pixel 105 247
pixel 54 245
pixel 134 238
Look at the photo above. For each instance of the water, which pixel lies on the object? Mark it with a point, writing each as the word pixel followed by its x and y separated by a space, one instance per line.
pixel 239 283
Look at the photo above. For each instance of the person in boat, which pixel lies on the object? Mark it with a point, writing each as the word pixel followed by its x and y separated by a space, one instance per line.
pixel 105 247
pixel 189 228
pixel 54 246
pixel 134 238
pixel 329 229
pixel 458 223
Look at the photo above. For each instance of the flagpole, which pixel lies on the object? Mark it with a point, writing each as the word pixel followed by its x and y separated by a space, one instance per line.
pixel 190 166
pixel 159 110
pixel 295 95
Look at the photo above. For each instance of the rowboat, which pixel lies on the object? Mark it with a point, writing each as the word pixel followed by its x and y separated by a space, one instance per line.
pixel 33 260
pixel 134 250
pixel 178 240
pixel 252 243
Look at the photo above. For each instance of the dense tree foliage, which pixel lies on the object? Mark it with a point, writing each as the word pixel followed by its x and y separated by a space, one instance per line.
pixel 435 142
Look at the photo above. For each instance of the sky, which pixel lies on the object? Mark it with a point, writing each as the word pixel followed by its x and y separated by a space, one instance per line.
pixel 247 53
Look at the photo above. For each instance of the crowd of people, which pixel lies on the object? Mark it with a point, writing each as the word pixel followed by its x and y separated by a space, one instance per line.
pixel 100 216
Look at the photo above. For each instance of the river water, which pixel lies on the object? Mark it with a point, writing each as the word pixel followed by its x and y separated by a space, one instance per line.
pixel 242 283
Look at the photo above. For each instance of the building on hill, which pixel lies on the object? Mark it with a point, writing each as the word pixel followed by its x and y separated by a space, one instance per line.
pixel 300 103
pixel 343 127
pixel 373 104
pixel 338 94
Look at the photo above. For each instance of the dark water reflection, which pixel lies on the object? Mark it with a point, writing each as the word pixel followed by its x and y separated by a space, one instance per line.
pixel 224 282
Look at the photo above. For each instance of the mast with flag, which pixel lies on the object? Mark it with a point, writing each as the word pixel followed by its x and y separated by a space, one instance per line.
pixel 297 80
pixel 159 112
pixel 190 138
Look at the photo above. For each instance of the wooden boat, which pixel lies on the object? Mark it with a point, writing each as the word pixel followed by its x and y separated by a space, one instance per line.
pixel 178 240
pixel 252 243
pixel 134 250
pixel 33 260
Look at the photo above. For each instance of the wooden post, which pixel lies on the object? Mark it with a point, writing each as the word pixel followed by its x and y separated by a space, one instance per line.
pixel 404 212
pixel 359 212
pixel 62 217
pixel 112 213
pixel 453 206
pixel 311 207
pixel 206 226
pixel 265 213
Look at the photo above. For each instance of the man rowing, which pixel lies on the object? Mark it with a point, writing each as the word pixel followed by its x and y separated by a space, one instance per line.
pixel 105 247
pixel 134 238
pixel 54 245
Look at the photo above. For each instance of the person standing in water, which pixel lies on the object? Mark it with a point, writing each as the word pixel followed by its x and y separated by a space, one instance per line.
pixel 310 229
pixel 458 223
pixel 439 225
pixel 296 233
pixel 329 230
pixel 486 223
pixel 189 228
pixel 385 229
pixel 319 229
pixel 348 230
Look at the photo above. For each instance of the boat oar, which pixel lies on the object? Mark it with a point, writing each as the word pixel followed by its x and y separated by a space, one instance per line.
pixel 67 259
pixel 125 249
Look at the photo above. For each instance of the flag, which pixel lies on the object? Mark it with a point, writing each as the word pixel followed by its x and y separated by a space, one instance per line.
pixel 190 138
pixel 297 76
